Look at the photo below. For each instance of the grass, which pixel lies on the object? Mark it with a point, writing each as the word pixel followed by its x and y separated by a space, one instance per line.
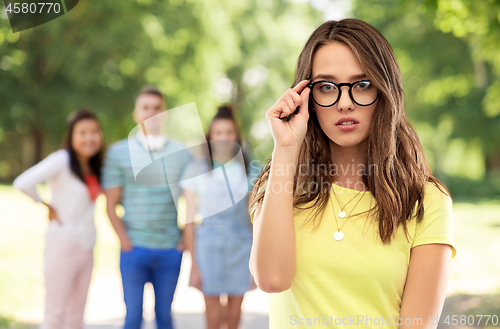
pixel 10 323
pixel 476 268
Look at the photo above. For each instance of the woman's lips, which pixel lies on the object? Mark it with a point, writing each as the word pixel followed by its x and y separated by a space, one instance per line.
pixel 347 127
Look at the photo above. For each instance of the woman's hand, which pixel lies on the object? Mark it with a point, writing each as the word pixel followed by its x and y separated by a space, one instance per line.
pixel 126 245
pixel 181 246
pixel 53 214
pixel 195 278
pixel 290 133
pixel 252 285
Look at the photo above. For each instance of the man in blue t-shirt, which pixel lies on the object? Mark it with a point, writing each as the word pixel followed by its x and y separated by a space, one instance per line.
pixel 151 242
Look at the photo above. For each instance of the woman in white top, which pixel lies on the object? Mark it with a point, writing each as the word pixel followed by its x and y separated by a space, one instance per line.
pixel 73 176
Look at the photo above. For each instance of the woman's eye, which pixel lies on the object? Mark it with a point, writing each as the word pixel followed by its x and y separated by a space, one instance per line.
pixel 327 87
pixel 363 85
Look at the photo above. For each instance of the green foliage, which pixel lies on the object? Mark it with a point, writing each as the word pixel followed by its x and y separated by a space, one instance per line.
pixel 102 52
pixel 209 52
pixel 450 79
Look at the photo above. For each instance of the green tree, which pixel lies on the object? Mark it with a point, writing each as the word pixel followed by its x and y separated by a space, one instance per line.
pixel 446 85
pixel 100 53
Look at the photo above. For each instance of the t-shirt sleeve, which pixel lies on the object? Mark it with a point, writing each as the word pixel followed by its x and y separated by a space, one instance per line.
pixel 437 223
pixel 188 180
pixel 112 171
pixel 40 173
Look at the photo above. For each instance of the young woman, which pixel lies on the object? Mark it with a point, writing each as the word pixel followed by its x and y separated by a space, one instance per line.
pixel 73 176
pixel 347 214
pixel 224 238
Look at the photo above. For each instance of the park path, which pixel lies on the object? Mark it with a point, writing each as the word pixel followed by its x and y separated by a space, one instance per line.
pixel 190 321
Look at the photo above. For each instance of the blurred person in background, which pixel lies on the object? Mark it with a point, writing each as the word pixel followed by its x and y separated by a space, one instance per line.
pixel 151 241
pixel 223 240
pixel 73 175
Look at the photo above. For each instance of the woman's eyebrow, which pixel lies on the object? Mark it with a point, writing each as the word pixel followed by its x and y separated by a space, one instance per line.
pixel 332 77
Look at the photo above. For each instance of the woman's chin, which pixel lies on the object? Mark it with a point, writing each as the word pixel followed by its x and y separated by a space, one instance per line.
pixel 346 141
pixel 88 153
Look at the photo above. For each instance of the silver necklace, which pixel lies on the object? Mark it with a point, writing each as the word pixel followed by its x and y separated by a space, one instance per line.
pixel 339 235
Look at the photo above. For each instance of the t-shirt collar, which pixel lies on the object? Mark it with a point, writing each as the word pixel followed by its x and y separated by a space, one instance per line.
pixel 156 142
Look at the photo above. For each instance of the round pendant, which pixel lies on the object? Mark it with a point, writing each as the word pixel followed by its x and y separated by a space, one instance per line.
pixel 341 214
pixel 338 235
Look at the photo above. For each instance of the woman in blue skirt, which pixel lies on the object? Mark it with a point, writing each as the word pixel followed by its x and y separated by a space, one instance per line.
pixel 220 183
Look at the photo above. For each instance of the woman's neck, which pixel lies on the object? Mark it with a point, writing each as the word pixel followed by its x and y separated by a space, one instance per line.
pixel 84 164
pixel 221 156
pixel 350 165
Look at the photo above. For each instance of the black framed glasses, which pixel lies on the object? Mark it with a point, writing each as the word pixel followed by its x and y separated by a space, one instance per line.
pixel 327 93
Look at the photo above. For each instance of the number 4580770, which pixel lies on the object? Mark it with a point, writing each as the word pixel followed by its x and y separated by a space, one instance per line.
pixel 34 8
pixel 471 320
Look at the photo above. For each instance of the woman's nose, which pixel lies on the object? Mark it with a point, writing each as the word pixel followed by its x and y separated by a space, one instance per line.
pixel 345 101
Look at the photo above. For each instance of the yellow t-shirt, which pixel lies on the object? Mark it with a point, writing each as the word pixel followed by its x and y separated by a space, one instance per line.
pixel 344 284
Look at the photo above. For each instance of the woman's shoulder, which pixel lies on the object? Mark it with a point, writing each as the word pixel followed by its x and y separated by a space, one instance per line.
pixel 435 193
pixel 54 164
pixel 437 203
pixel 60 156
pixel 436 225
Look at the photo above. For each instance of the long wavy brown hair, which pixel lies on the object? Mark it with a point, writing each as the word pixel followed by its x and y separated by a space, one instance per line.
pixel 393 146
